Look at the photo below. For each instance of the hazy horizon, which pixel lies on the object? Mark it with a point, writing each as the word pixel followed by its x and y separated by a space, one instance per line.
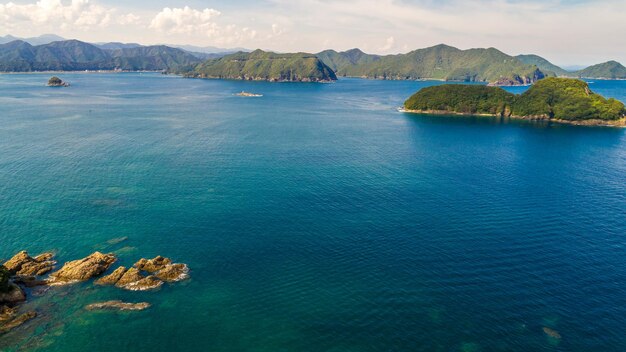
pixel 567 33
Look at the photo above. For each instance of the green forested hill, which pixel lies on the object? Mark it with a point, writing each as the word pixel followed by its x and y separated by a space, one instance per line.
pixel 157 57
pixel 341 61
pixel 610 70
pixel 74 55
pixel 543 64
pixel 550 98
pixel 261 65
pixel 438 62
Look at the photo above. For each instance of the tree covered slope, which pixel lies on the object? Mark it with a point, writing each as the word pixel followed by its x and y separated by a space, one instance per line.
pixel 439 62
pixel 261 65
pixel 551 98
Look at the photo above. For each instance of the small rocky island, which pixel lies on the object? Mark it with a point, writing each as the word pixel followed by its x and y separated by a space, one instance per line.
pixel 57 82
pixel 23 271
pixel 562 100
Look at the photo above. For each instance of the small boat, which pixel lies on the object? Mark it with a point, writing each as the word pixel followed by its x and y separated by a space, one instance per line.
pixel 247 94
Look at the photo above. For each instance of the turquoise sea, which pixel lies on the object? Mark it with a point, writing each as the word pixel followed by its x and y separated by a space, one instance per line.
pixel 314 218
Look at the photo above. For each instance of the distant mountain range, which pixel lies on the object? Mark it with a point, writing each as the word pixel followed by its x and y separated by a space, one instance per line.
pixel 452 64
pixel 438 62
pixel 203 52
pixel 42 39
pixel 74 55
pixel 51 52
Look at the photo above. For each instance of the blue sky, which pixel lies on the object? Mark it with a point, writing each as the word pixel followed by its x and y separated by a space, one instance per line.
pixel 565 32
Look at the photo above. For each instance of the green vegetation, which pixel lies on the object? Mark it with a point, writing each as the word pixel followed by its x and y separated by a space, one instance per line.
pixel 55 81
pixel 261 65
pixel 74 55
pixel 544 65
pixel 4 279
pixel 607 70
pixel 551 98
pixel 566 99
pixel 438 62
pixel 461 98
pixel 610 70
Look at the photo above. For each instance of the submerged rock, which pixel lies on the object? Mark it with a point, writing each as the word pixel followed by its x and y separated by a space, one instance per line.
pixel 5 275
pixel 7 313
pixel 152 265
pixel 145 284
pixel 112 278
pixel 118 305
pixel 173 272
pixel 12 321
pixel 114 241
pixel 83 269
pixel 29 281
pixel 23 264
pixel 552 333
pixel 14 294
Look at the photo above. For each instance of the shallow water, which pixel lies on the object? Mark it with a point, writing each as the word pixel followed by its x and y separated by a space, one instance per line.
pixel 315 218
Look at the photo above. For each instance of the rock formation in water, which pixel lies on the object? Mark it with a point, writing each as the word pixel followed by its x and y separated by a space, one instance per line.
pixel 152 265
pixel 173 272
pixel 57 82
pixel 24 271
pixel 83 269
pixel 112 278
pixel 117 305
pixel 24 265
pixel 163 268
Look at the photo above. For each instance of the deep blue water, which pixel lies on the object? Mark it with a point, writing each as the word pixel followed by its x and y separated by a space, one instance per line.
pixel 315 218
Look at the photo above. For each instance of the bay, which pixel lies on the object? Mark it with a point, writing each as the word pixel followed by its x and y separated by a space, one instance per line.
pixel 314 218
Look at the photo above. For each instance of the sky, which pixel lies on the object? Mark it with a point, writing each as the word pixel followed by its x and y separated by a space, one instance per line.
pixel 572 32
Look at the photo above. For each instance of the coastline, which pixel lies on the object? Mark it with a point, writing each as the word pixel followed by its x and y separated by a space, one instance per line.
pixel 259 79
pixel 82 71
pixel 621 123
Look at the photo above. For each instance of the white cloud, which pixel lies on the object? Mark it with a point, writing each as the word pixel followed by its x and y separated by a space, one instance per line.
pixel 77 13
pixel 130 18
pixel 389 43
pixel 201 24
pixel 185 21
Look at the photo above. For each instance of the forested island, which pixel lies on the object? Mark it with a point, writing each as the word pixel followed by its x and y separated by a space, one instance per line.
pixel 554 99
pixel 266 66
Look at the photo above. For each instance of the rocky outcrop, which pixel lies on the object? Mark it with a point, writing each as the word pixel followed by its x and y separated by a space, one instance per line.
pixel 112 278
pixel 117 305
pixel 163 268
pixel 130 279
pixel 173 272
pixel 23 264
pixel 9 319
pixel 153 265
pixel 57 82
pixel 133 280
pixel 83 269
